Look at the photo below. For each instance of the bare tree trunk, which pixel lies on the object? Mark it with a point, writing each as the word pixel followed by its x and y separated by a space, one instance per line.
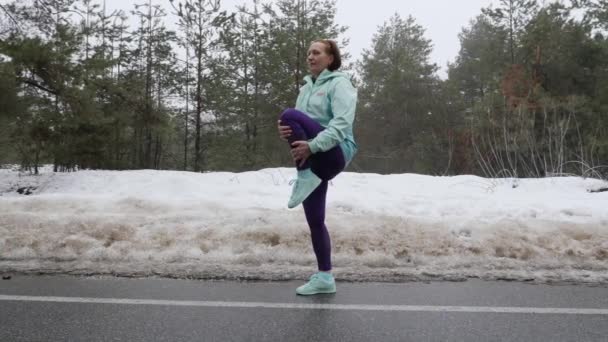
pixel 199 100
pixel 148 110
pixel 187 114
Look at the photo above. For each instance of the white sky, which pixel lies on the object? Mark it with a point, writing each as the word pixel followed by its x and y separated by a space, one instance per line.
pixel 442 19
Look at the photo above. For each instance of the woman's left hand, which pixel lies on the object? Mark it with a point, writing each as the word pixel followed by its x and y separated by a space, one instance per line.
pixel 300 151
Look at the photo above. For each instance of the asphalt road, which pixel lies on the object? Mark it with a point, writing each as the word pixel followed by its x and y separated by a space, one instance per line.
pixel 63 308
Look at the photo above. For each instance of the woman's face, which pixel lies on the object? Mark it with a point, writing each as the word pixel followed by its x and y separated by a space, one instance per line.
pixel 318 59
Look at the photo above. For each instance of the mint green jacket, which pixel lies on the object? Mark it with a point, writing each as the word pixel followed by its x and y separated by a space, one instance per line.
pixel 331 101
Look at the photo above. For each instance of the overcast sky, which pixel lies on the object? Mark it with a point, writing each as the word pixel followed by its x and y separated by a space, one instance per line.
pixel 442 19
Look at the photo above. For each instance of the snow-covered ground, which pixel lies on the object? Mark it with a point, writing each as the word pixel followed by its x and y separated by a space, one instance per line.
pixel 236 225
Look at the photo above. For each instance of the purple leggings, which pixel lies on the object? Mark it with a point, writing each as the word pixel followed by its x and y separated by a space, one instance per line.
pixel 326 165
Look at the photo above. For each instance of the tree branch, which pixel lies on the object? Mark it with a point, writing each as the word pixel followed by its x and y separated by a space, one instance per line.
pixel 11 17
pixel 36 84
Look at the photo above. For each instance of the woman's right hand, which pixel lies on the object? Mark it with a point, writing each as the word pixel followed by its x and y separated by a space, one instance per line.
pixel 284 131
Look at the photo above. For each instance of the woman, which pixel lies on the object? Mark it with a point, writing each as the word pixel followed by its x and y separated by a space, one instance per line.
pixel 320 133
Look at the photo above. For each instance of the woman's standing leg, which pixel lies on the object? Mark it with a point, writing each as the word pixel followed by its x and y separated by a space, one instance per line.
pixel 314 209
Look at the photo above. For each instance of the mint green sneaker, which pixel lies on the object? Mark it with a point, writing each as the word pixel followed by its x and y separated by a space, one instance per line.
pixel 317 284
pixel 306 183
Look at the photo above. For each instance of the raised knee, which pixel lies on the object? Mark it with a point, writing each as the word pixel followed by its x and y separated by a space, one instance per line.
pixel 289 114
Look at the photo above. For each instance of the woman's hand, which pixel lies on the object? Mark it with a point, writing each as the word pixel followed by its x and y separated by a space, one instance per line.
pixel 284 131
pixel 300 151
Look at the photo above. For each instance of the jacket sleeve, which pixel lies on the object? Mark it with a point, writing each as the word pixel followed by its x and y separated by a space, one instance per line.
pixel 300 99
pixel 343 101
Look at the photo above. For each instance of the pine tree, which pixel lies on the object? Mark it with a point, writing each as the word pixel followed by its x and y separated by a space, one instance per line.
pixel 202 17
pixel 512 16
pixel 397 97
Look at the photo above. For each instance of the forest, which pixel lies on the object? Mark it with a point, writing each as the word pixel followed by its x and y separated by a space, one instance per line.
pixel 83 87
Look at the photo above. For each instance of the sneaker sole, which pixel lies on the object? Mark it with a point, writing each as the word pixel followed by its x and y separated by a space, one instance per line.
pixel 318 292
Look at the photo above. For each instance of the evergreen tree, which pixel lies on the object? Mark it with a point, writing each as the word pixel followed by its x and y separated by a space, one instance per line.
pixel 399 98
